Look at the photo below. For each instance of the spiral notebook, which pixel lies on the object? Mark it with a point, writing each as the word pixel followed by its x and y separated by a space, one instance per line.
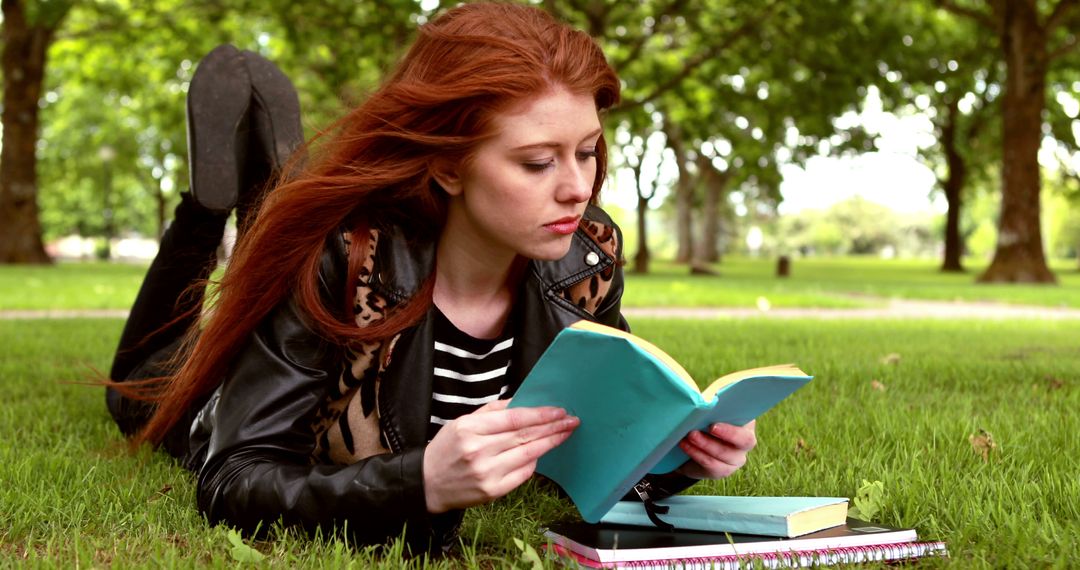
pixel 617 546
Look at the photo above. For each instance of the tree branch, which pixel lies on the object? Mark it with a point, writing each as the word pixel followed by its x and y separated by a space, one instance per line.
pixel 980 17
pixel 99 30
pixel 976 125
pixel 1061 11
pixel 587 10
pixel 696 62
pixel 551 8
pixel 637 181
pixel 1065 47
pixel 635 50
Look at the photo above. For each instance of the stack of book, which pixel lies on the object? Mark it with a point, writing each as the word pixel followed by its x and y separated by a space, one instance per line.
pixel 636 403
pixel 620 546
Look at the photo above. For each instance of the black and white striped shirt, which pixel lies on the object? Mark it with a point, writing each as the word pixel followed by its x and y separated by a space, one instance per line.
pixel 469 372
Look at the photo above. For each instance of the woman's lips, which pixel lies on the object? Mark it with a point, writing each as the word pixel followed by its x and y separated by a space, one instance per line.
pixel 564 226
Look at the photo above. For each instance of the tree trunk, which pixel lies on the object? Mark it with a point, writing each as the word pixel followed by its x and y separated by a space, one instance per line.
pixel 684 199
pixel 162 204
pixel 953 185
pixel 715 188
pixel 23 62
pixel 684 219
pixel 1019 257
pixel 641 258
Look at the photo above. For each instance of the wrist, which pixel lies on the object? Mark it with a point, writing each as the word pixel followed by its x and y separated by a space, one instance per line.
pixel 431 495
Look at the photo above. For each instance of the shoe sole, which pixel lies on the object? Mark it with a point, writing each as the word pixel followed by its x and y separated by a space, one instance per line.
pixel 275 95
pixel 217 103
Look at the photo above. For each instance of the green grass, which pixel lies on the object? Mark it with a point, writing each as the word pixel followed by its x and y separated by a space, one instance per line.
pixel 835 283
pixel 76 285
pixel 71 497
pixel 819 282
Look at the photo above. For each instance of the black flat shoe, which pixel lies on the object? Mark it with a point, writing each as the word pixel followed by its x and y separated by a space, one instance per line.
pixel 218 100
pixel 275 111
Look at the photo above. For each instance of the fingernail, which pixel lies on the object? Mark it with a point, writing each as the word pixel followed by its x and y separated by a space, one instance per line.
pixel 570 422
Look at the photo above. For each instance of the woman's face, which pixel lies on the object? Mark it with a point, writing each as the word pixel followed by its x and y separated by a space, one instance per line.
pixel 526 188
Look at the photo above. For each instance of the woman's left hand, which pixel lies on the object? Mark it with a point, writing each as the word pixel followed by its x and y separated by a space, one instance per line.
pixel 719 452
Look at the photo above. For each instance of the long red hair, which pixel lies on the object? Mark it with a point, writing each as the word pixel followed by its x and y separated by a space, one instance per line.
pixel 372 166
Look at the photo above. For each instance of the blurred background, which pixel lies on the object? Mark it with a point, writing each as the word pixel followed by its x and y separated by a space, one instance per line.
pixel 939 130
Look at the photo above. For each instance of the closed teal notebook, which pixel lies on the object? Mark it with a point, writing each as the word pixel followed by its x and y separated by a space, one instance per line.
pixel 766 516
pixel 634 407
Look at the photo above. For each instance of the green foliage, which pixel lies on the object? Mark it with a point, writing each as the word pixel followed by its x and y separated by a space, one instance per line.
pixel 747 97
pixel 113 153
pixel 979 223
pixel 745 88
pixel 241 552
pixel 113 146
pixel 48 14
pixel 529 556
pixel 941 59
pixel 853 226
pixel 1062 225
pixel 869 500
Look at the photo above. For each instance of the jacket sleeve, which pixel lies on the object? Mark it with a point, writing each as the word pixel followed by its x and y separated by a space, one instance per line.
pixel 257 471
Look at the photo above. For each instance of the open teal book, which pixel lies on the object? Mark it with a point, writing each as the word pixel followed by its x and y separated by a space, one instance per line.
pixel 635 403
pixel 767 516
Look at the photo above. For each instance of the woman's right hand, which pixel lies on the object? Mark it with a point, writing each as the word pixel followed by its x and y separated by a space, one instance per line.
pixel 484 455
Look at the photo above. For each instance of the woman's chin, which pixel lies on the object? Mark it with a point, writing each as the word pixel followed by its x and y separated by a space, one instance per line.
pixel 551 252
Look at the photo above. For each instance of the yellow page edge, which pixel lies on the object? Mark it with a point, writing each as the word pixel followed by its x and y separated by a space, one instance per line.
pixel 780 370
pixel 776 370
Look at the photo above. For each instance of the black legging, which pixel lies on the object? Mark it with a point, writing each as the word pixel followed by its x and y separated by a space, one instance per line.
pixel 157 322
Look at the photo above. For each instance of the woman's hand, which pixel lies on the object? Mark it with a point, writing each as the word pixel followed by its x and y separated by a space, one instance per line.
pixel 484 455
pixel 718 453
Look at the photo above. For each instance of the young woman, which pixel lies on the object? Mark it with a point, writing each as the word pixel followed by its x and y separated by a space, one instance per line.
pixel 393 292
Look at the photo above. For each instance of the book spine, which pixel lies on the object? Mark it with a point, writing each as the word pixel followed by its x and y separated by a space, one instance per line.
pixel 667 444
pixel 668 456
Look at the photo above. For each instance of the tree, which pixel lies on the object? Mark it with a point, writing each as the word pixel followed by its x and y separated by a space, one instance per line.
pixel 28 30
pixel 657 47
pixel 729 83
pixel 946 68
pixel 766 102
pixel 118 80
pixel 1030 40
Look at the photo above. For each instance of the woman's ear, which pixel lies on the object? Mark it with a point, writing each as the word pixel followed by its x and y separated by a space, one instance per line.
pixel 447 176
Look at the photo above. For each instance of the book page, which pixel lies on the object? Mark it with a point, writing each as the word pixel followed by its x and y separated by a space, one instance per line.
pixel 727 380
pixel 645 345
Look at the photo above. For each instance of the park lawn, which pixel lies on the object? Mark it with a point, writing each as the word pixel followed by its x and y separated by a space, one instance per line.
pixel 72 497
pixel 838 282
pixel 70 285
pixel 818 282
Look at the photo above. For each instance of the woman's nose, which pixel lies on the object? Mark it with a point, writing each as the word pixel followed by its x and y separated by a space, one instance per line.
pixel 576 184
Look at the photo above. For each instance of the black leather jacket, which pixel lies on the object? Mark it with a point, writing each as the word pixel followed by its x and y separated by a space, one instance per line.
pixel 251 445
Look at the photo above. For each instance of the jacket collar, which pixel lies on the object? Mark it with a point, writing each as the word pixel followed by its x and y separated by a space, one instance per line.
pixel 402 263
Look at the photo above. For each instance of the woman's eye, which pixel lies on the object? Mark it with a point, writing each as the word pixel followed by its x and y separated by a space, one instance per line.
pixel 584 155
pixel 538 166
